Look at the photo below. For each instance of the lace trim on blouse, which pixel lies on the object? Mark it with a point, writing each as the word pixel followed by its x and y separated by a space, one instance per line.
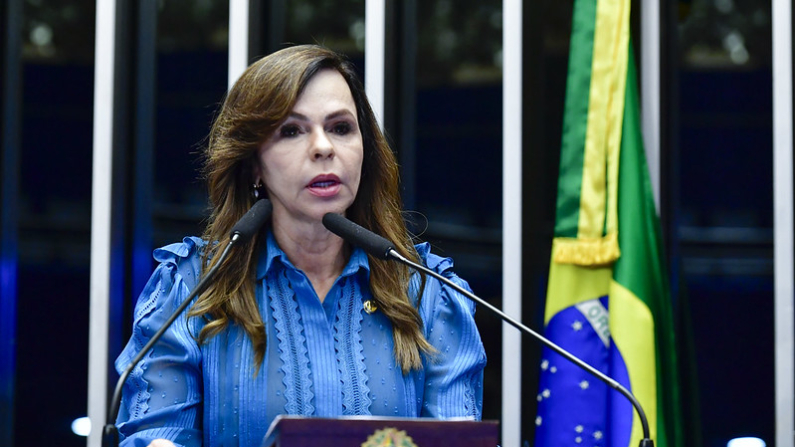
pixel 292 346
pixel 348 341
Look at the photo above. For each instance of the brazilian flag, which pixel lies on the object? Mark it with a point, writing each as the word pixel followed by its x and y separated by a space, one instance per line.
pixel 608 299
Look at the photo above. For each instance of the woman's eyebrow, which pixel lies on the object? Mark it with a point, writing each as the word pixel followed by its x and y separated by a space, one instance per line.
pixel 298 116
pixel 339 113
pixel 332 115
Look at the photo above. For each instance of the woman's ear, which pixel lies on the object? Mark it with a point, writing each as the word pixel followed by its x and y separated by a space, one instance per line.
pixel 256 174
pixel 257 186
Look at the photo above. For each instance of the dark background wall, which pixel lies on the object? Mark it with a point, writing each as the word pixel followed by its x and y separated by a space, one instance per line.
pixel 445 120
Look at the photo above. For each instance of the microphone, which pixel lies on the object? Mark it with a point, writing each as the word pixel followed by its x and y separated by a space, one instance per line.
pixel 242 231
pixel 355 234
pixel 252 221
pixel 381 248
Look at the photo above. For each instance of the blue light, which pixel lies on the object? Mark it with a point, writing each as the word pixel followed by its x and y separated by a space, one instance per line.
pixel 746 442
pixel 81 426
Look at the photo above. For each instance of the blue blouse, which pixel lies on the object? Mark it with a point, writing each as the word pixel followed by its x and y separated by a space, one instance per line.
pixel 322 359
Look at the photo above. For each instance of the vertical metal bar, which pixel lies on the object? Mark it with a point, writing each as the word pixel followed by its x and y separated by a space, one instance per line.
pixel 11 140
pixel 512 220
pixel 408 109
pixel 276 23
pixel 374 44
pixel 267 24
pixel 400 91
pixel 238 39
pixel 256 29
pixel 650 91
pixel 783 221
pixel 101 206
pixel 121 199
pixel 144 125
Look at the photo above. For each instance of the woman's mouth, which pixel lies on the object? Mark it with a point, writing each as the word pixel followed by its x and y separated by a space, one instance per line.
pixel 325 185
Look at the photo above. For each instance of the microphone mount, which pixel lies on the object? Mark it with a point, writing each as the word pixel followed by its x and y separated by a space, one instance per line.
pixel 381 248
pixel 645 442
pixel 243 230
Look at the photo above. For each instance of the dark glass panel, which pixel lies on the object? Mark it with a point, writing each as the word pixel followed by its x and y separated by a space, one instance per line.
pixel 54 221
pixel 722 216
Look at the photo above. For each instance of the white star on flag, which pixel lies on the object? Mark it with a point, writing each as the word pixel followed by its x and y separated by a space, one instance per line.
pixel 584 384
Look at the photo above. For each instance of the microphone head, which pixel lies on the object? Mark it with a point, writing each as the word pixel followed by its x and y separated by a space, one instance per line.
pixel 252 221
pixel 359 236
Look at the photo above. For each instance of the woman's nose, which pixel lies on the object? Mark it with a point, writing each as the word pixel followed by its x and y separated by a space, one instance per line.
pixel 322 146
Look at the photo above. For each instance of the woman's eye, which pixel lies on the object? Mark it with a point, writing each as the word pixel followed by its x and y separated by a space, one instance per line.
pixel 341 128
pixel 289 130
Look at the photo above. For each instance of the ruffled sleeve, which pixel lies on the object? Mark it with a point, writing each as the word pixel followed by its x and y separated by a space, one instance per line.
pixel 453 385
pixel 162 395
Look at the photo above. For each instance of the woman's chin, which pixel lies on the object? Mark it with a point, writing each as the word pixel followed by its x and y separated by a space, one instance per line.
pixel 313 216
pixel 332 206
pixel 308 211
pixel 323 212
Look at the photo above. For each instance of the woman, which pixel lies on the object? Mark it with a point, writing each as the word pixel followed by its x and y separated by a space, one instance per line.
pixel 298 322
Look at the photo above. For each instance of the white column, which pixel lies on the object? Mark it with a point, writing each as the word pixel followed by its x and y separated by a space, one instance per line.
pixel 101 206
pixel 650 94
pixel 511 423
pixel 374 49
pixel 238 39
pixel 782 211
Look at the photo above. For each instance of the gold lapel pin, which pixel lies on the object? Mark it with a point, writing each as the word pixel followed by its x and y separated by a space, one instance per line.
pixel 370 307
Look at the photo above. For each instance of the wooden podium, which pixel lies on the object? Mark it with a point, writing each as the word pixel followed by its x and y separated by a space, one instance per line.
pixel 356 431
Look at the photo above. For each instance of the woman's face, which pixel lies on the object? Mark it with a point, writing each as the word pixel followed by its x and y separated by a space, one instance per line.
pixel 312 163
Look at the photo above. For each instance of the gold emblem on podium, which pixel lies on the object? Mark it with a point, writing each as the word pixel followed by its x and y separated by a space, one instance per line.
pixel 389 437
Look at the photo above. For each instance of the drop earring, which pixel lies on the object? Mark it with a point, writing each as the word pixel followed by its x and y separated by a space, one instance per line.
pixel 256 191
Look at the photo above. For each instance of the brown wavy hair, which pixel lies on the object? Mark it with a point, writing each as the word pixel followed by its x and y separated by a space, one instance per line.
pixel 254 108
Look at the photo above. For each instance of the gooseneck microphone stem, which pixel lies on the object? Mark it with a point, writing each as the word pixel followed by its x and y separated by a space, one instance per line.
pixel 113 410
pixel 243 230
pixel 381 248
pixel 646 442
